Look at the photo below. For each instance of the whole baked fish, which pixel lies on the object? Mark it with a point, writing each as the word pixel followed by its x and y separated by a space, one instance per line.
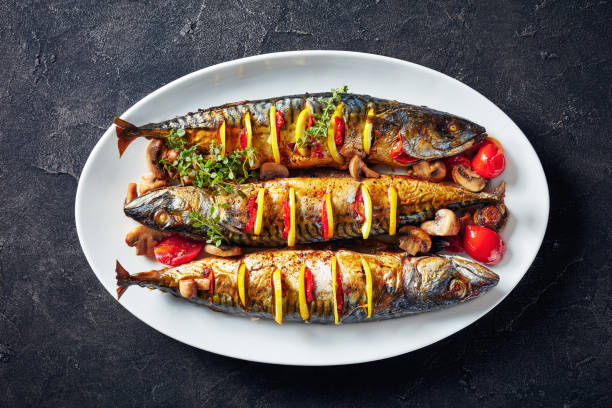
pixel 320 286
pixel 381 131
pixel 303 210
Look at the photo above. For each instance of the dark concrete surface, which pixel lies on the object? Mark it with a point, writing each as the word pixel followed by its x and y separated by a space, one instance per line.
pixel 69 66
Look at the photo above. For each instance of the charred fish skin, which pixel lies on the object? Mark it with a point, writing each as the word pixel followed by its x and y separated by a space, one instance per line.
pixel 169 208
pixel 426 133
pixel 401 285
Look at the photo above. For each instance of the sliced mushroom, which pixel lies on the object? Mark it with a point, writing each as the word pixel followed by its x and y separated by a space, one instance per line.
pixel 224 251
pixel 358 169
pixel 437 171
pixel 491 216
pixel 414 240
pixel 144 239
pixel 468 179
pixel 132 193
pixel 153 154
pixel 150 182
pixel 466 219
pixel 270 170
pixel 445 224
pixel 188 288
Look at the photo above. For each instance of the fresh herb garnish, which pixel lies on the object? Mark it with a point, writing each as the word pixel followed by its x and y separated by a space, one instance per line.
pixel 214 232
pixel 217 173
pixel 318 130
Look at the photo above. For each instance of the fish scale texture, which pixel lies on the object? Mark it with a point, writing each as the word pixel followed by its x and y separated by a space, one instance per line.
pixel 69 66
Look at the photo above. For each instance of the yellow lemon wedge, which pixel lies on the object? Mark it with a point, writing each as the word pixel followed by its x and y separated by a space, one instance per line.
pixel 367 132
pixel 291 236
pixel 331 132
pixel 304 312
pixel 260 207
pixel 367 205
pixel 278 296
pixel 300 127
pixel 329 211
pixel 242 284
pixel 368 276
pixel 222 138
pixel 334 271
pixel 392 194
pixel 273 139
pixel 249 129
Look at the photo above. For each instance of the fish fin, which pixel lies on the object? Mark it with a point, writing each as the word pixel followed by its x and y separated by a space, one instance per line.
pixel 124 138
pixel 121 276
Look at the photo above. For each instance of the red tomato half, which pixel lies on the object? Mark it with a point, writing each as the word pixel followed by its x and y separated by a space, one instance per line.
pixel 176 250
pixel 489 162
pixel 483 244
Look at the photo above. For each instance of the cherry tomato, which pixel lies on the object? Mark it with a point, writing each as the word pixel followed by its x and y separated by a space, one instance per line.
pixel 176 250
pixel 398 154
pixel 489 162
pixel 483 244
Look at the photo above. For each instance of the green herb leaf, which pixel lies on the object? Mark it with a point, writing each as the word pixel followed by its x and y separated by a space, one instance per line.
pixel 213 230
pixel 319 128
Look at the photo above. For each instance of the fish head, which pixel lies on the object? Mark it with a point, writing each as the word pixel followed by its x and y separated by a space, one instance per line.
pixel 167 208
pixel 436 134
pixel 438 281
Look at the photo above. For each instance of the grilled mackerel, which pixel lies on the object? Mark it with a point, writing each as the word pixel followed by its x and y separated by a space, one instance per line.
pixel 169 208
pixel 373 127
pixel 320 286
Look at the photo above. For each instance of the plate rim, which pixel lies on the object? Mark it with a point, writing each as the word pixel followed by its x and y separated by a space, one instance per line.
pixel 87 168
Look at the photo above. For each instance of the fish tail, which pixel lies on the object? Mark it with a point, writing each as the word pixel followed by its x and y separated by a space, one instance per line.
pixel 123 277
pixel 125 134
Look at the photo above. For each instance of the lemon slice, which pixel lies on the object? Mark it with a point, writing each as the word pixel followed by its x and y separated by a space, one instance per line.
pixel 334 271
pixel 260 207
pixel 392 194
pixel 304 312
pixel 368 276
pixel 291 235
pixel 242 284
pixel 300 127
pixel 249 130
pixel 331 132
pixel 330 216
pixel 367 132
pixel 278 296
pixel 273 139
pixel 222 138
pixel 367 205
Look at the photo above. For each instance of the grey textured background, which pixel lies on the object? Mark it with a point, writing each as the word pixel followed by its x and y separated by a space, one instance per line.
pixel 69 66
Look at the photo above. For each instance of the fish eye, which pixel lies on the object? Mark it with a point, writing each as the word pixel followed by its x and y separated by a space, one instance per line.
pixel 453 126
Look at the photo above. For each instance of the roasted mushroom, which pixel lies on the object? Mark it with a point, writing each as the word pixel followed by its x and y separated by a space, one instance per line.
pixel 188 288
pixel 271 170
pixel 414 240
pixel 223 251
pixel 468 179
pixel 432 171
pixel 491 216
pixel 202 283
pixel 358 169
pixel 144 239
pixel 445 224
pixel 132 193
pixel 150 182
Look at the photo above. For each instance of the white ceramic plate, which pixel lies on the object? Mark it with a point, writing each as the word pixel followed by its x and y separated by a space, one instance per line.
pixel 102 226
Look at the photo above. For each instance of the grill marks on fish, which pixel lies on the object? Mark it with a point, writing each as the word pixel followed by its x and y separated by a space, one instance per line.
pixel 401 285
pixel 418 201
pixel 425 131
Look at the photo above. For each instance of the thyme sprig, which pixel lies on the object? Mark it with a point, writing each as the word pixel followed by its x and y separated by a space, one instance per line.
pixel 214 232
pixel 217 173
pixel 318 130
